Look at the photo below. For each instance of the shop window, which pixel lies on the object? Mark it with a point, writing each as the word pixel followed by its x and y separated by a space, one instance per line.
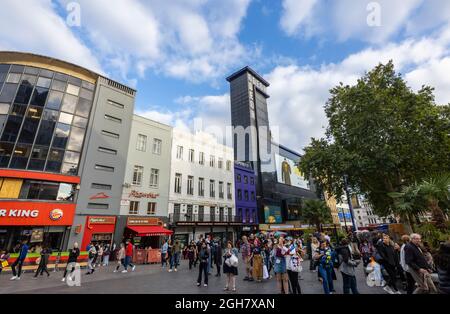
pixel 39 97
pixel 61 135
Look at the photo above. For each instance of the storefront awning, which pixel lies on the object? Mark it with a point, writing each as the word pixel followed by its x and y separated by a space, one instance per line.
pixel 150 231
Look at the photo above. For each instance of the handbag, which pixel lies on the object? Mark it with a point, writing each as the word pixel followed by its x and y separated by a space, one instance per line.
pixel 234 260
pixel 294 264
pixel 265 272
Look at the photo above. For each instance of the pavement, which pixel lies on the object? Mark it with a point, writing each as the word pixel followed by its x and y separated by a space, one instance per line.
pixel 152 279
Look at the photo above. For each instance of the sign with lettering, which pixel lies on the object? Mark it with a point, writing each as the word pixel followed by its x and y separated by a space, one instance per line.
pixel 137 194
pixel 36 214
pixel 144 221
pixel 102 220
pixel 99 196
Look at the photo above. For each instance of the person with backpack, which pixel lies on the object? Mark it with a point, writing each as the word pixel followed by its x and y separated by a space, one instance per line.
pixel 347 266
pixel 23 251
pixel 229 268
pixel 324 258
pixel 72 260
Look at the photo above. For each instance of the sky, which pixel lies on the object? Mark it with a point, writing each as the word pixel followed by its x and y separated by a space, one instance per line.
pixel 177 53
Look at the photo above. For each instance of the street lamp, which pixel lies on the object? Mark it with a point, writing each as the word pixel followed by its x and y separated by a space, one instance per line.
pixel 349 200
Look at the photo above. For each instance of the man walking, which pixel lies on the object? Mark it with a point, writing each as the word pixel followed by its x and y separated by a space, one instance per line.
pixel 128 256
pixel 418 267
pixel 347 267
pixel 23 251
pixel 164 249
pixel 390 262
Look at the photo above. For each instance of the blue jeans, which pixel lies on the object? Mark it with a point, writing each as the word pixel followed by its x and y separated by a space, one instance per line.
pixel 349 284
pixel 163 259
pixel 327 277
pixel 175 260
pixel 128 262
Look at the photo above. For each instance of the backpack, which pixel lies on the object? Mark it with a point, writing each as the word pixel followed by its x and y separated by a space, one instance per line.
pixel 337 260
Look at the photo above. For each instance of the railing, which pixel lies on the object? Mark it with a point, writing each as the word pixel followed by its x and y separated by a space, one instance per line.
pixel 203 218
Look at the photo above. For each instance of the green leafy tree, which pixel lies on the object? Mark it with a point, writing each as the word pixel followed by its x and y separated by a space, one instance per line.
pixel 316 213
pixel 381 134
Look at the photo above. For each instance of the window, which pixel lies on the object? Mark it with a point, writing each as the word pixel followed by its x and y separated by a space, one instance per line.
pixel 157 144
pixel 138 172
pixel 110 134
pixel 221 190
pixel 61 135
pixel 228 165
pixel 178 178
pixel 115 104
pixel 201 187
pixel 104 168
pixel 212 161
pixel 201 158
pixel 245 179
pixel 252 180
pixel 252 196
pixel 238 178
pixel 246 195
pixel 73 90
pixel 190 185
pixel 151 208
pixel 180 152
pixel 141 144
pixel 134 208
pixel 220 163
pixel 191 155
pixel 111 118
pixel 154 178
pixel 239 195
pixel 107 150
pixel 97 206
pixel 99 186
pixel 212 188
pixel 229 191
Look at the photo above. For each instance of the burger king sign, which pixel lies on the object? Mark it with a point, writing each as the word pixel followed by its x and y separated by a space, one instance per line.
pixel 56 214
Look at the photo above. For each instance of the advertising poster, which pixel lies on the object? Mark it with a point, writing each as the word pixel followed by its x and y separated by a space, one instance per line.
pixel 288 172
pixel 272 214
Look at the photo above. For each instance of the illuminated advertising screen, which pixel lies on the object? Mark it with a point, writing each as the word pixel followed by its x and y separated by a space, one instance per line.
pixel 272 214
pixel 288 172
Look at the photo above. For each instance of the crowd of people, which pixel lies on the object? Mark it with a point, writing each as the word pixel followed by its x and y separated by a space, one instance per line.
pixel 408 265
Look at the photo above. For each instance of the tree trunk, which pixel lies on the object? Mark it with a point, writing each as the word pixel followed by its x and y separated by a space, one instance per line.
pixel 438 215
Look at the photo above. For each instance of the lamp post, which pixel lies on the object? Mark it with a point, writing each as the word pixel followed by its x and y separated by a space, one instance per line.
pixel 349 200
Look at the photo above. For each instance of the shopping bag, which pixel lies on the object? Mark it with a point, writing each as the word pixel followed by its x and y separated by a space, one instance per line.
pixel 234 260
pixel 265 272
pixel 371 279
pixel 5 264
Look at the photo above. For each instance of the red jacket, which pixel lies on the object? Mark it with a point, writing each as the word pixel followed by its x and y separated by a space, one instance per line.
pixel 129 250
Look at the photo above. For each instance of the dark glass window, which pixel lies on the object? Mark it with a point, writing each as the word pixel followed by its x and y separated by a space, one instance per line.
pixel 3 118
pixel 30 190
pixel 8 92
pixel 74 80
pixel 34 112
pixel 69 103
pixel 20 157
pixel 87 94
pixel 83 107
pixel 29 130
pixel 17 68
pixel 12 128
pixel 49 191
pixel 4 68
pixel 54 100
pixel 31 70
pixel 61 135
pixel 61 77
pixel 24 93
pixel 45 133
pixel 76 139
pixel 55 160
pixel 46 73
pixel 39 97
pixel 88 85
pixel 38 157
pixel 18 110
pixel 5 153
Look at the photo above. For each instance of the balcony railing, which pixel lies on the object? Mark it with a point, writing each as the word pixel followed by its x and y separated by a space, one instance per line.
pixel 204 218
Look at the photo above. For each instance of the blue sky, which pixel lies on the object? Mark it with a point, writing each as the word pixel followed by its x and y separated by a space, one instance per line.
pixel 177 53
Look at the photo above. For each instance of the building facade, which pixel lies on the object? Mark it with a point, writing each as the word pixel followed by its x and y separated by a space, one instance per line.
pixel 201 193
pixel 245 196
pixel 63 144
pixel 146 187
pixel 280 187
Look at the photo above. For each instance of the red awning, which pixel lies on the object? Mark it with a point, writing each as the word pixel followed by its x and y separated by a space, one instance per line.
pixel 150 231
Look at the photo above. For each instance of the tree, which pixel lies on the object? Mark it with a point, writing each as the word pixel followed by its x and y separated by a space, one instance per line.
pixel 381 134
pixel 316 212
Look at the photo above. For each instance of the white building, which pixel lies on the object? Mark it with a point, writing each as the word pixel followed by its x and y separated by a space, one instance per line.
pixel 363 212
pixel 145 196
pixel 201 193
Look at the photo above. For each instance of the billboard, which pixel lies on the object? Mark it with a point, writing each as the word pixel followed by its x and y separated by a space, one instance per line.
pixel 288 172
pixel 272 214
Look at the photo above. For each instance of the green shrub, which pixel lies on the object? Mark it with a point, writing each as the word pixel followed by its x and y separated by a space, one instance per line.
pixel 431 234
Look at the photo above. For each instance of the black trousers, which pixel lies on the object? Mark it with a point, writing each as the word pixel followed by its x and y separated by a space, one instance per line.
pixel 349 284
pixel 42 268
pixel 71 271
pixel 218 269
pixel 203 270
pixel 392 272
pixel 191 262
pixel 17 262
pixel 293 279
pixel 410 283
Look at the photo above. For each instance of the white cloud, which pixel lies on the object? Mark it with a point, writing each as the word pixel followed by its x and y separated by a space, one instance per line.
pixel 38 29
pixel 295 13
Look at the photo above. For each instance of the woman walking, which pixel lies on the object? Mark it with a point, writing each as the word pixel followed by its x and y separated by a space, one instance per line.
pixel 294 268
pixel 314 246
pixel 257 264
pixel 191 254
pixel 71 262
pixel 120 257
pixel 106 254
pixel 325 260
pixel 280 266
pixel 169 255
pixel 229 269
pixel 91 261
pixel 45 255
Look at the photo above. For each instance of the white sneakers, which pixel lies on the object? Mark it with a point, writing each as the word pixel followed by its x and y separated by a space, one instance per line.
pixel 134 267
pixel 176 269
pixel 15 278
pixel 64 279
pixel 124 271
pixel 205 285
pixel 170 270
pixel 388 290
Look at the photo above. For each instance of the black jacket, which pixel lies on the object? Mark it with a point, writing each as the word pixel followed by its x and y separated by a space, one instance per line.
pixel 218 255
pixel 414 257
pixel 73 255
pixel 388 254
pixel 444 280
